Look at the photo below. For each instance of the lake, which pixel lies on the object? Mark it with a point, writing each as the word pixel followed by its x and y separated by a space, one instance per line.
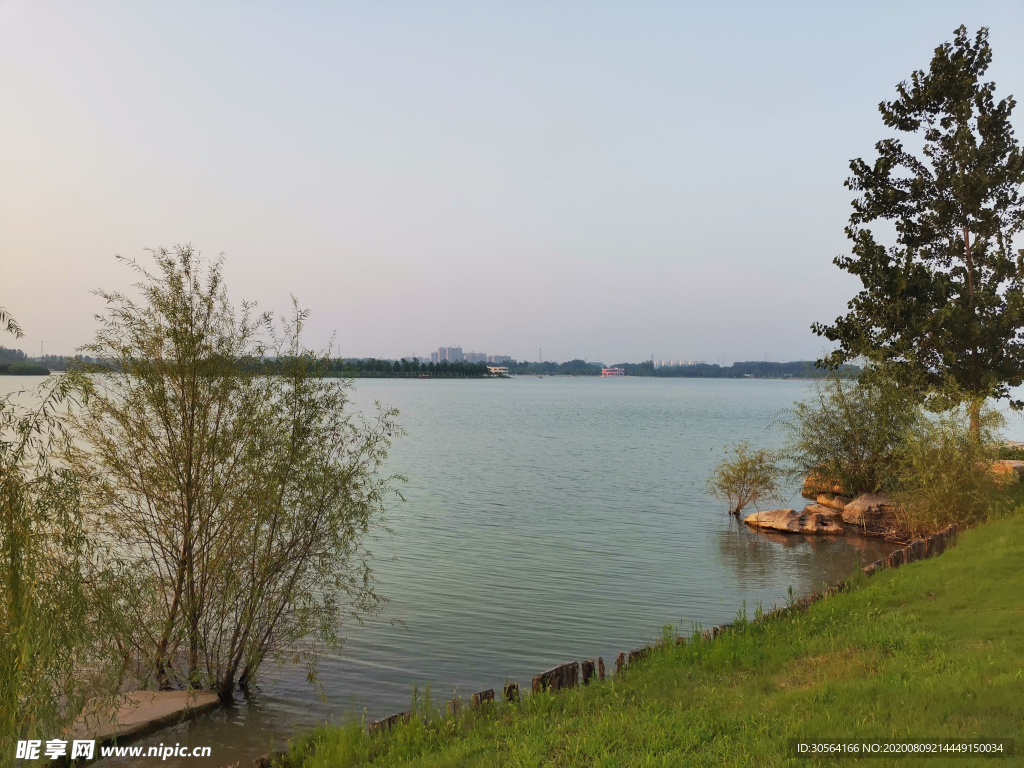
pixel 546 520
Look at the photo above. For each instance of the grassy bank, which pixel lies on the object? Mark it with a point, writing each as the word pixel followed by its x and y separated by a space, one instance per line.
pixel 933 649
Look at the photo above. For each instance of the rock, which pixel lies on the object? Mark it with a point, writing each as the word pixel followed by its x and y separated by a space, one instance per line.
pixel 1010 469
pixel 791 521
pixel 815 484
pixel 868 509
pixel 826 512
pixel 833 500
pixel 141 711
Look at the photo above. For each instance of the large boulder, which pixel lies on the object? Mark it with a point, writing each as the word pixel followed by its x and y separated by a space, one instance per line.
pixel 830 513
pixel 833 500
pixel 869 510
pixel 791 521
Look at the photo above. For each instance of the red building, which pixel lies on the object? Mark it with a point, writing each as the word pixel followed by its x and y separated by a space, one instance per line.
pixel 613 372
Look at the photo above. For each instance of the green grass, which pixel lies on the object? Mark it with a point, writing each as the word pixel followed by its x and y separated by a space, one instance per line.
pixel 933 649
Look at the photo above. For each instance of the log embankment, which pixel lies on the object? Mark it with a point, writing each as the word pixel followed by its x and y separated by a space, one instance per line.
pixel 572 674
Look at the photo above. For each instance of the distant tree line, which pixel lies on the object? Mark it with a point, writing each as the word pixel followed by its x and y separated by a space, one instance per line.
pixel 12 356
pixel 751 369
pixel 798 369
pixel 405 368
pixel 14 361
pixel 570 368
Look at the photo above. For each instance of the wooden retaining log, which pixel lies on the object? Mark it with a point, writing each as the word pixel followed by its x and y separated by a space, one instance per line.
pixel 895 559
pixel 454 706
pixel 835 589
pixel 556 678
pixel 482 698
pixel 511 691
pixel 918 550
pixel 638 654
pixel 600 668
pixel 387 723
pixel 587 670
pixel 620 662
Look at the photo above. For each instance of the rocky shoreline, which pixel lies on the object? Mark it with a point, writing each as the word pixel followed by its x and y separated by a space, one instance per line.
pixel 831 513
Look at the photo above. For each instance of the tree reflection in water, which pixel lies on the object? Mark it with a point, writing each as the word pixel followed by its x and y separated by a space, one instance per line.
pixel 769 560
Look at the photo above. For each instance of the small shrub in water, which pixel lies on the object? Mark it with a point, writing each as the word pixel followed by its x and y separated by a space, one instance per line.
pixel 746 476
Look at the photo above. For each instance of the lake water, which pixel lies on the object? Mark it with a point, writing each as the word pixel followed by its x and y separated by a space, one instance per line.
pixel 546 520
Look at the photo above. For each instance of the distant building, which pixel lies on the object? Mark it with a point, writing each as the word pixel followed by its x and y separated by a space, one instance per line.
pixel 674 363
pixel 498 369
pixel 605 372
pixel 434 357
pixel 499 358
pixel 451 354
pixel 475 357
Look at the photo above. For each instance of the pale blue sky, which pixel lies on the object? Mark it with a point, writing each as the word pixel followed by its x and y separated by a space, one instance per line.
pixel 603 180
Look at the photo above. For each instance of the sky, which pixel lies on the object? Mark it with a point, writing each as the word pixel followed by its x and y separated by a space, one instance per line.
pixel 608 181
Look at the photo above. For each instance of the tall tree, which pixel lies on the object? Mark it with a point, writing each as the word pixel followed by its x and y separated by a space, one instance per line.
pixel 231 476
pixel 942 309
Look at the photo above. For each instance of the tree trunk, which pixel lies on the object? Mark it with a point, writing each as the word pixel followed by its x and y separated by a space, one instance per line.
pixel 975 411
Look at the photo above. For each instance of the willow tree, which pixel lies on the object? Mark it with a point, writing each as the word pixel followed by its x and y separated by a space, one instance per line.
pixel 941 309
pixel 231 476
pixel 61 653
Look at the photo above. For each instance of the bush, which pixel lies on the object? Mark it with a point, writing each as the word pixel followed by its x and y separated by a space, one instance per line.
pixel 943 473
pixel 746 477
pixel 851 432
pixel 872 436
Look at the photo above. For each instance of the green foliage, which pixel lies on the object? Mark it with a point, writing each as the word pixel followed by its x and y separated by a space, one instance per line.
pixel 942 473
pixel 24 369
pixel 851 432
pixel 8 355
pixel 231 479
pixel 942 308
pixel 404 368
pixel 746 476
pixel 60 606
pixel 874 436
pixel 1011 452
pixel 931 648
